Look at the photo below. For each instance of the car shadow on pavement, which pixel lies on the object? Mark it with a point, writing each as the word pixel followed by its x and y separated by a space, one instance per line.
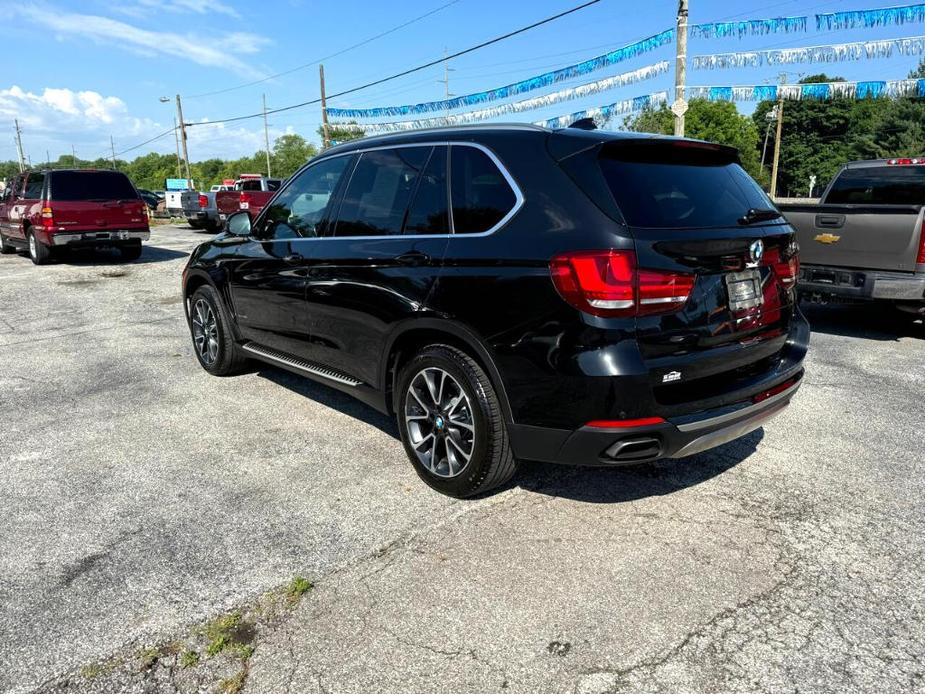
pixel 610 485
pixel 868 321
pixel 329 397
pixel 94 258
pixel 602 485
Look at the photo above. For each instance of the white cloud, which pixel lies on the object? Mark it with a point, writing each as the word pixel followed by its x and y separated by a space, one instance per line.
pixel 202 7
pixel 221 51
pixel 57 118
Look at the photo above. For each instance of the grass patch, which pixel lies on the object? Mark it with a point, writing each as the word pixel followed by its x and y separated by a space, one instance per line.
pixel 298 587
pixel 220 632
pixel 149 657
pixel 234 684
pixel 189 658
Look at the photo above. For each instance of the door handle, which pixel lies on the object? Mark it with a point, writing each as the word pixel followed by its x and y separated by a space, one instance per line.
pixel 831 221
pixel 413 258
pixel 293 258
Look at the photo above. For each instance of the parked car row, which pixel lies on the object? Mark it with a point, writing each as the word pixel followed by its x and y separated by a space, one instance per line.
pixel 512 292
pixel 209 209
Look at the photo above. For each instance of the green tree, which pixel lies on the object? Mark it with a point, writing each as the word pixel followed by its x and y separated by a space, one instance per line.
pixel 340 134
pixel 290 152
pixel 713 121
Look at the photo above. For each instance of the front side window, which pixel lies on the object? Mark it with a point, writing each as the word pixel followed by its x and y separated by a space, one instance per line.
pixel 380 190
pixel 34 186
pixel 302 208
pixel 482 197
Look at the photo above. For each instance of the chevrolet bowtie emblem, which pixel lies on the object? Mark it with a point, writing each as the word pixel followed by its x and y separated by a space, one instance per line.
pixel 827 238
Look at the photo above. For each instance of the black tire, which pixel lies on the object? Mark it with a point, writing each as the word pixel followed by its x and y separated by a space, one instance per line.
pixel 193 225
pixel 227 359
pixel 130 251
pixel 492 461
pixel 39 253
pixel 6 248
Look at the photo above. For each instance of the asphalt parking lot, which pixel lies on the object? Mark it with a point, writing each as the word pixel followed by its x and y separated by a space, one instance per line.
pixel 141 497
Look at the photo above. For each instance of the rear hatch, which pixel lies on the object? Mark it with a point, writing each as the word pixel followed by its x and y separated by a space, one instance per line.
pixel 696 214
pixel 871 219
pixel 89 200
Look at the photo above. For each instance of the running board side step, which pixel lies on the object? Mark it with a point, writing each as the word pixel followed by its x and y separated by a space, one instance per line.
pixel 297 364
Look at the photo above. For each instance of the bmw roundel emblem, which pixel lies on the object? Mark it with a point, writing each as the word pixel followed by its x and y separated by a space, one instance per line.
pixel 756 251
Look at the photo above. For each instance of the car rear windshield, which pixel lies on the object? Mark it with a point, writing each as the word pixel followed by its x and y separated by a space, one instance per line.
pixel 91 185
pixel 879 185
pixel 680 186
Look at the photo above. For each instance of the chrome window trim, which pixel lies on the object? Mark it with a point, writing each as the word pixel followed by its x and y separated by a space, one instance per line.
pixel 511 181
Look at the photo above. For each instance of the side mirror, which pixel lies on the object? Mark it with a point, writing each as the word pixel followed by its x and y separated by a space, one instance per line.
pixel 239 224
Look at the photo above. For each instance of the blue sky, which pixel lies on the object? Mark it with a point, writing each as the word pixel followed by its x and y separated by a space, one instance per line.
pixel 79 72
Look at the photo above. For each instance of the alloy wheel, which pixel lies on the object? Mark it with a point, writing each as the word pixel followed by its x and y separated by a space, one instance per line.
pixel 205 332
pixel 438 417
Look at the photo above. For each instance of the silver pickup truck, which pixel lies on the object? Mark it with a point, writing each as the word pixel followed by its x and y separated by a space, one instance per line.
pixel 200 210
pixel 864 240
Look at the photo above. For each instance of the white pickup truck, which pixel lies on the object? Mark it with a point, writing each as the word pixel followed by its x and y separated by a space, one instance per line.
pixel 864 241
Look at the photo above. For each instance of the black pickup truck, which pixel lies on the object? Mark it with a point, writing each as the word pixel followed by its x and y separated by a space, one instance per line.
pixel 864 240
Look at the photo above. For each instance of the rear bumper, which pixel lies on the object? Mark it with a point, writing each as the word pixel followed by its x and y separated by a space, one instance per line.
pixel 98 238
pixel 201 215
pixel 823 282
pixel 677 437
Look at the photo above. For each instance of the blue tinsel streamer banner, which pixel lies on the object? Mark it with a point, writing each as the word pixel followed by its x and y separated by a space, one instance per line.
pixel 853 19
pixel 527 85
pixel 748 27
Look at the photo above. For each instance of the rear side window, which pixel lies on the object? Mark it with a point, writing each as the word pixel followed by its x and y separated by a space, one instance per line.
pixel 429 212
pixel 273 184
pixel 34 186
pixel 879 185
pixel 670 186
pixel 91 185
pixel 380 191
pixel 482 197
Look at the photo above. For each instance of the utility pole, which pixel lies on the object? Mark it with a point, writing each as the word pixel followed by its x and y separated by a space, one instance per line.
pixel 112 144
pixel 266 134
pixel 446 84
pixel 326 139
pixel 176 137
pixel 679 107
pixel 74 156
pixel 189 179
pixel 777 142
pixel 22 159
pixel 47 159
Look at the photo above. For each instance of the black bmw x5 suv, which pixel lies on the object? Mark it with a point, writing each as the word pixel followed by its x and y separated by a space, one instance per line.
pixel 512 292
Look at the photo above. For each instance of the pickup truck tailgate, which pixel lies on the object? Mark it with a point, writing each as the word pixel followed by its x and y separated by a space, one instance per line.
pixel 872 237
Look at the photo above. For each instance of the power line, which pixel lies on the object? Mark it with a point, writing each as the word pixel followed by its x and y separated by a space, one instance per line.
pixel 328 57
pixel 412 70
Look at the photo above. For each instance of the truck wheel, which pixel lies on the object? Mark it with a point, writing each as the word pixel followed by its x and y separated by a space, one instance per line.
pixel 130 251
pixel 213 340
pixel 451 424
pixel 38 252
pixel 6 248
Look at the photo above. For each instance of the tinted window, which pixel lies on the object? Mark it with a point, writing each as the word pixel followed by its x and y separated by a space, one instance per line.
pixel 34 186
pixel 879 185
pixel 667 186
pixel 91 185
pixel 301 209
pixel 481 194
pixel 249 185
pixel 379 191
pixel 273 184
pixel 429 212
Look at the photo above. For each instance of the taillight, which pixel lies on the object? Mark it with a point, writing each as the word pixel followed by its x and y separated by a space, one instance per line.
pixel 203 201
pixel 48 217
pixel 608 284
pixel 245 201
pixel 920 258
pixel 787 270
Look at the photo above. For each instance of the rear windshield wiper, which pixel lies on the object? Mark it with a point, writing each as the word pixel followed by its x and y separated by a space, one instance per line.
pixel 755 215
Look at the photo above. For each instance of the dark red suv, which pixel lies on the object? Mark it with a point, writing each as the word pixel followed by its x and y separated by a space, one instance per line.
pixel 42 211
